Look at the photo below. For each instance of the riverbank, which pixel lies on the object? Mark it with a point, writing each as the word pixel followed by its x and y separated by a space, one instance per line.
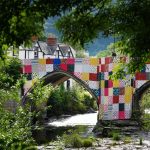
pixel 137 141
pixel 116 140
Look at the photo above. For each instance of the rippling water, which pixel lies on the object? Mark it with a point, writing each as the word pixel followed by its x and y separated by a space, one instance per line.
pixel 80 119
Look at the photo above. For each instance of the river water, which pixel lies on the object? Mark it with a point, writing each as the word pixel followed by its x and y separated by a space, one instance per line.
pixel 57 127
pixel 80 119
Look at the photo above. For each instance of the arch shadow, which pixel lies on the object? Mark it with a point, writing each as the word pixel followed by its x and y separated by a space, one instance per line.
pixel 137 97
pixel 57 77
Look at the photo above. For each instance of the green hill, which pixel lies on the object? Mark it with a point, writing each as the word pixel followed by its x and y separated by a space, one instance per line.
pixel 94 47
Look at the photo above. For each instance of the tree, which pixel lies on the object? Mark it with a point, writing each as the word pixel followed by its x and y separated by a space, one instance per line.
pixel 19 21
pixel 128 20
pixel 108 51
pixel 81 22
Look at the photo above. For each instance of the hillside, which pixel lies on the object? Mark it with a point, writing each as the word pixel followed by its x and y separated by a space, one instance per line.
pixel 94 47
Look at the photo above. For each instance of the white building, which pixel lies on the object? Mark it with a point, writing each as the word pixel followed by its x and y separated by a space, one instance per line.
pixel 40 49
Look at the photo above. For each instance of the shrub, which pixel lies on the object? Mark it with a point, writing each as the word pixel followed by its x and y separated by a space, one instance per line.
pixel 127 139
pixel 116 136
pixel 77 141
pixel 87 142
pixel 73 139
pixel 77 100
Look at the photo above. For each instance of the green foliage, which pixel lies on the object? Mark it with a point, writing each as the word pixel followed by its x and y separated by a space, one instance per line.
pixel 15 123
pixel 80 54
pixel 19 21
pixel 81 22
pixel 87 142
pixel 77 101
pixel 104 53
pixel 74 139
pixel 87 19
pixel 145 106
pixel 145 100
pixel 115 136
pixel 109 50
pixel 15 127
pixel 40 93
pixel 145 122
pixel 10 72
pixel 127 139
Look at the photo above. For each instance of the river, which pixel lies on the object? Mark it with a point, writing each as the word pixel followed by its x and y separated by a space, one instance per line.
pixel 57 127
pixel 52 129
pixel 80 119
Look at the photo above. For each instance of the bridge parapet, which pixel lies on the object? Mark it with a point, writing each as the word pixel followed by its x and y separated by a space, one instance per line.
pixel 114 97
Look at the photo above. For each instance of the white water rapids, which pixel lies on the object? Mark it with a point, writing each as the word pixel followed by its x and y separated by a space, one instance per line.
pixel 80 119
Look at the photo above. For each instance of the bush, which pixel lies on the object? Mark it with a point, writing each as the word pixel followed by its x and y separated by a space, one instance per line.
pixel 116 136
pixel 73 139
pixel 87 142
pixel 77 100
pixel 76 141
pixel 15 125
pixel 15 130
pixel 146 122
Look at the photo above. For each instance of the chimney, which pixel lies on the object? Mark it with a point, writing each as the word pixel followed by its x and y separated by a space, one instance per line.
pixel 51 41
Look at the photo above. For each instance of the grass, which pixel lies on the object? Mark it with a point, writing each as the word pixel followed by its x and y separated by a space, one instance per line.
pixel 127 139
pixel 75 140
pixel 115 135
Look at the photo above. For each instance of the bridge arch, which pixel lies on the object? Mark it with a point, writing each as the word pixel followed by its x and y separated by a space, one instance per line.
pixel 137 96
pixel 57 77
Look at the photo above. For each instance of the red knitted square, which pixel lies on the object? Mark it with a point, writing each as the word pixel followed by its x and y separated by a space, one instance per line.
pixel 70 61
pixel 49 61
pixel 63 67
pixel 106 92
pixel 110 83
pixel 121 115
pixel 28 69
pixel 115 99
pixel 93 76
pixel 104 68
pixel 140 76
pixel 108 60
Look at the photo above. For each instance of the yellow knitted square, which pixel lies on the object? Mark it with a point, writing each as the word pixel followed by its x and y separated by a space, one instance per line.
pixel 102 84
pixel 42 61
pixel 116 83
pixel 128 94
pixel 94 61
pixel 85 76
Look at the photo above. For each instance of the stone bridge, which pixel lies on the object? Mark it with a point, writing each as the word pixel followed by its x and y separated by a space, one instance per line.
pixel 114 97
